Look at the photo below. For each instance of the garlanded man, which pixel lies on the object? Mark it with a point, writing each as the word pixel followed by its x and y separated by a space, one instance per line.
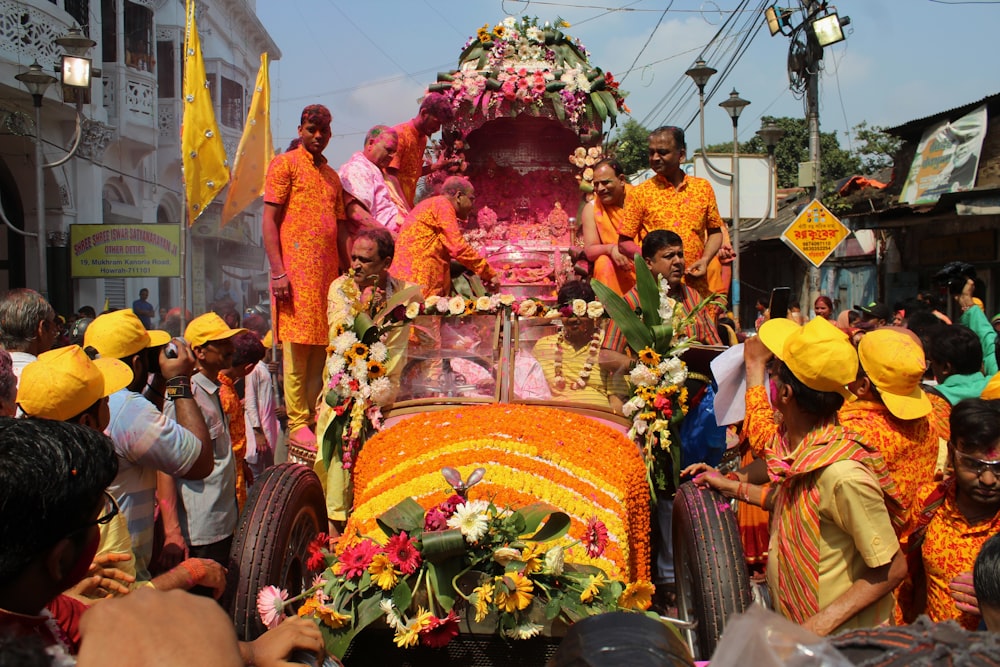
pixel 677 202
pixel 407 165
pixel 431 238
pixel 362 176
pixel 303 215
pixel 600 221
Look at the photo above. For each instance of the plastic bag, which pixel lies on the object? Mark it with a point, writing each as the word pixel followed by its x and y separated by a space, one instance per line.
pixel 702 440
pixel 762 638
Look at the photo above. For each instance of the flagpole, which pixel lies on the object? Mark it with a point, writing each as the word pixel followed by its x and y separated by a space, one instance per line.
pixel 184 273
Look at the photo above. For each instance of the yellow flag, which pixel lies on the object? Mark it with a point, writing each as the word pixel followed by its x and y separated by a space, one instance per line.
pixel 203 155
pixel 255 151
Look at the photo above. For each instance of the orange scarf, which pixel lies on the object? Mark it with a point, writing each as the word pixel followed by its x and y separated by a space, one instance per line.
pixel 233 408
pixel 608 221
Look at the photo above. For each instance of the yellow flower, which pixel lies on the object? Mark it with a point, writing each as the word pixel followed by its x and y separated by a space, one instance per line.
pixel 513 592
pixel 483 34
pixel 375 370
pixel 407 636
pixel 532 557
pixel 637 595
pixel 309 607
pixel 594 584
pixel 649 356
pixel 499 30
pixel 423 618
pixel 357 350
pixel 383 574
pixel 562 24
pixel 331 617
pixel 484 596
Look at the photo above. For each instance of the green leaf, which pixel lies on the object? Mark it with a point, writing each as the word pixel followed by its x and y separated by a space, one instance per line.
pixel 408 515
pixel 401 297
pixel 402 595
pixel 609 102
pixel 476 284
pixel 637 335
pixel 333 439
pixel 365 328
pixel 559 106
pixel 483 59
pixel 534 514
pixel 441 545
pixel 553 607
pixel 461 286
pixel 555 527
pixel 662 335
pixel 440 576
pixel 598 103
pixel 649 293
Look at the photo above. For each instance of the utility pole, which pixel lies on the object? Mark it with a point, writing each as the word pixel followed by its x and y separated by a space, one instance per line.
pixel 812 118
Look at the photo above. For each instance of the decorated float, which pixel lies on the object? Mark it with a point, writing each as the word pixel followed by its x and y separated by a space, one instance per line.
pixel 486 517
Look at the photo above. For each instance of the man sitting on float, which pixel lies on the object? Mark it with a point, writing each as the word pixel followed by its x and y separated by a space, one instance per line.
pixel 599 224
pixel 569 358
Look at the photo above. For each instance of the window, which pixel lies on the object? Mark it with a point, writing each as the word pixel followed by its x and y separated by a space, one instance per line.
pixel 80 11
pixel 109 36
pixel 138 37
pixel 165 71
pixel 232 104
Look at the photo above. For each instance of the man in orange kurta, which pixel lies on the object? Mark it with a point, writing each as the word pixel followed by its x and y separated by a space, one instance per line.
pixel 303 206
pixel 431 238
pixel 677 202
pixel 599 223
pixel 407 164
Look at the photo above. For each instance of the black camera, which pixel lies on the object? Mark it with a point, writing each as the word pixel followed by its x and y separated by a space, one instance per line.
pixel 954 275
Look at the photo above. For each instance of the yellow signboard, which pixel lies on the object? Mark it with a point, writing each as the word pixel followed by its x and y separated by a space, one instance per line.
pixel 124 251
pixel 815 233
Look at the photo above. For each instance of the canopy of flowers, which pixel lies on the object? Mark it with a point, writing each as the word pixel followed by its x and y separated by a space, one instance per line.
pixel 519 66
pixel 473 560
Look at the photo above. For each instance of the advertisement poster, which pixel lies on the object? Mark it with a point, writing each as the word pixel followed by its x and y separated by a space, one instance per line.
pixel 125 251
pixel 947 159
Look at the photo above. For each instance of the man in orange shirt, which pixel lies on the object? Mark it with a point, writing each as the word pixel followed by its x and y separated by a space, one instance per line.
pixel 677 202
pixel 599 223
pixel 407 164
pixel 303 214
pixel 431 238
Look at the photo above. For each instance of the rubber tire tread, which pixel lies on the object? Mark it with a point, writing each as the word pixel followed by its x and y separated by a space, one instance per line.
pixel 260 547
pixel 705 529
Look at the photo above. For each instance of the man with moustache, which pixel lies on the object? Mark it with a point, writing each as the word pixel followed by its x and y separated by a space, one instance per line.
pixel 363 177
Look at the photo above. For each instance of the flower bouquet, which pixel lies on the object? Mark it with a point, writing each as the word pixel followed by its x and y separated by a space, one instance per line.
pixel 460 560
pixel 659 399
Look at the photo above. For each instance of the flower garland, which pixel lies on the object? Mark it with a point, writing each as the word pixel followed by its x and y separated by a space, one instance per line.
pixel 592 350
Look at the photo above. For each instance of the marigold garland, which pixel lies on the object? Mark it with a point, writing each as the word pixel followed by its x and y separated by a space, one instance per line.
pixel 531 454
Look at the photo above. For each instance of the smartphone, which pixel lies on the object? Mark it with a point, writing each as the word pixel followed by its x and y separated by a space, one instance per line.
pixel 778 306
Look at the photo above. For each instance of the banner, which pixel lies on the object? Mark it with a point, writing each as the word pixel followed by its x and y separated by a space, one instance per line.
pixel 947 159
pixel 255 152
pixel 124 251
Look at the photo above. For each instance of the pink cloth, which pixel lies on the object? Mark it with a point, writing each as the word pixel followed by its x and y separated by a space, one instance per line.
pixel 366 182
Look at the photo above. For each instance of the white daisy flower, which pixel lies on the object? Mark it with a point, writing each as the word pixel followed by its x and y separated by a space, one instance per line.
pixel 378 351
pixel 524 631
pixel 344 341
pixel 392 619
pixel 381 389
pixel 472 523
pixel 642 376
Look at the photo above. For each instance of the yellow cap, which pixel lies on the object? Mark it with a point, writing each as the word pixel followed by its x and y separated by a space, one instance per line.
pixel 268 341
pixel 992 389
pixel 894 362
pixel 120 334
pixel 64 382
pixel 206 328
pixel 819 354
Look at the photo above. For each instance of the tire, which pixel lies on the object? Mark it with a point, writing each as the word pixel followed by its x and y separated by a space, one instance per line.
pixel 286 510
pixel 713 582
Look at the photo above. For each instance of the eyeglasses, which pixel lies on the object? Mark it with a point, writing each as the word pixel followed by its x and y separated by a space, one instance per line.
pixel 978 466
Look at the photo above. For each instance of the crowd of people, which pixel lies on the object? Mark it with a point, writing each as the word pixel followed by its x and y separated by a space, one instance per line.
pixel 870 476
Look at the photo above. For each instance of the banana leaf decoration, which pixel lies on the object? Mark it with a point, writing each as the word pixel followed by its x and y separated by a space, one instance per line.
pixel 645 329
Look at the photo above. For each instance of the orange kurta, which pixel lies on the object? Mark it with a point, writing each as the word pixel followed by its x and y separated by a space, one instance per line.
pixel 760 426
pixel 409 159
pixel 909 446
pixel 608 220
pixel 689 210
pixel 429 240
pixel 312 201
pixel 233 408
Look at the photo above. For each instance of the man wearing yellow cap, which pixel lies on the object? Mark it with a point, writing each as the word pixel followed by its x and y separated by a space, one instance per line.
pixel 891 410
pixel 152 448
pixel 208 509
pixel 833 559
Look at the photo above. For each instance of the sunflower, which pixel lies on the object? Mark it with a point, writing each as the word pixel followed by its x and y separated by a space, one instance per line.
pixel 649 356
pixel 375 370
pixel 595 583
pixel 483 34
pixel 513 591
pixel 499 31
pixel 357 350
pixel 383 573
pixel 637 595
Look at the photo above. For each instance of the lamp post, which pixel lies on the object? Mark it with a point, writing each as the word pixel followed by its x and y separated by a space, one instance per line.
pixel 37 82
pixel 734 107
pixel 700 73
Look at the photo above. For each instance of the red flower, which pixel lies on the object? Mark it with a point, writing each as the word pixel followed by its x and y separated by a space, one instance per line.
pixel 434 520
pixel 402 552
pixel 440 631
pixel 355 560
pixel 317 557
pixel 596 537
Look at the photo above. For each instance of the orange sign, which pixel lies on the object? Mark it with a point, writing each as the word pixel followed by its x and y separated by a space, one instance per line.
pixel 815 233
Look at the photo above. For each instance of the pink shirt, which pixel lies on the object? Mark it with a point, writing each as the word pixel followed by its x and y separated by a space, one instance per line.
pixel 366 182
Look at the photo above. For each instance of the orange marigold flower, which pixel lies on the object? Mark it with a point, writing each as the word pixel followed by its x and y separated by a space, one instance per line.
pixel 637 595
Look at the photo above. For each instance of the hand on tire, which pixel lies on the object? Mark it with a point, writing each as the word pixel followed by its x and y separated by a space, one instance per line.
pixel 273 648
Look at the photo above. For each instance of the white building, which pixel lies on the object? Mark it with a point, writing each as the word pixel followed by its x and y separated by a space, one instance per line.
pixel 127 169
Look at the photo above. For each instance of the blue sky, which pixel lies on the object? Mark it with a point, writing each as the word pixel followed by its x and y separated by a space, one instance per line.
pixel 370 62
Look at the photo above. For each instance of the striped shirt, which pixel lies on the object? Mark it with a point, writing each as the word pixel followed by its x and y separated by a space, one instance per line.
pixel 701 330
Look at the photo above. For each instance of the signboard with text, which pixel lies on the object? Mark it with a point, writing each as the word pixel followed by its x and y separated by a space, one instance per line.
pixel 125 251
pixel 815 233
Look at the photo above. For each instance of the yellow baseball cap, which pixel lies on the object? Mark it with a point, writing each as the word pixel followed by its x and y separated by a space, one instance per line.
pixel 64 382
pixel 268 341
pixel 206 328
pixel 818 353
pixel 992 389
pixel 894 362
pixel 120 334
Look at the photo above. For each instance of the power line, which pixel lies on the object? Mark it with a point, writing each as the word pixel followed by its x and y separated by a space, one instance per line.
pixel 648 40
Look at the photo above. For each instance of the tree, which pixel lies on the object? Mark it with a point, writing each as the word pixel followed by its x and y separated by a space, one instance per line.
pixel 835 162
pixel 875 149
pixel 631 147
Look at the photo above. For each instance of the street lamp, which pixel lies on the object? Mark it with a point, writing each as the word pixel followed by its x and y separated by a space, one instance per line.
pixel 37 82
pixel 700 73
pixel 734 107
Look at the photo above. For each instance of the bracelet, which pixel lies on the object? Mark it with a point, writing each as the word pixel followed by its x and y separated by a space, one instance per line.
pixel 733 476
pixel 746 491
pixel 178 387
pixel 195 569
pixel 279 277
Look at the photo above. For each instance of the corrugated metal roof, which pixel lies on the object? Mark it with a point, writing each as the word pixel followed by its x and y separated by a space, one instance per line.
pixel 914 128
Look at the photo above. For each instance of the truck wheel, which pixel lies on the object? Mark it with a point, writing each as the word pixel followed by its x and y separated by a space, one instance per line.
pixel 713 582
pixel 286 510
